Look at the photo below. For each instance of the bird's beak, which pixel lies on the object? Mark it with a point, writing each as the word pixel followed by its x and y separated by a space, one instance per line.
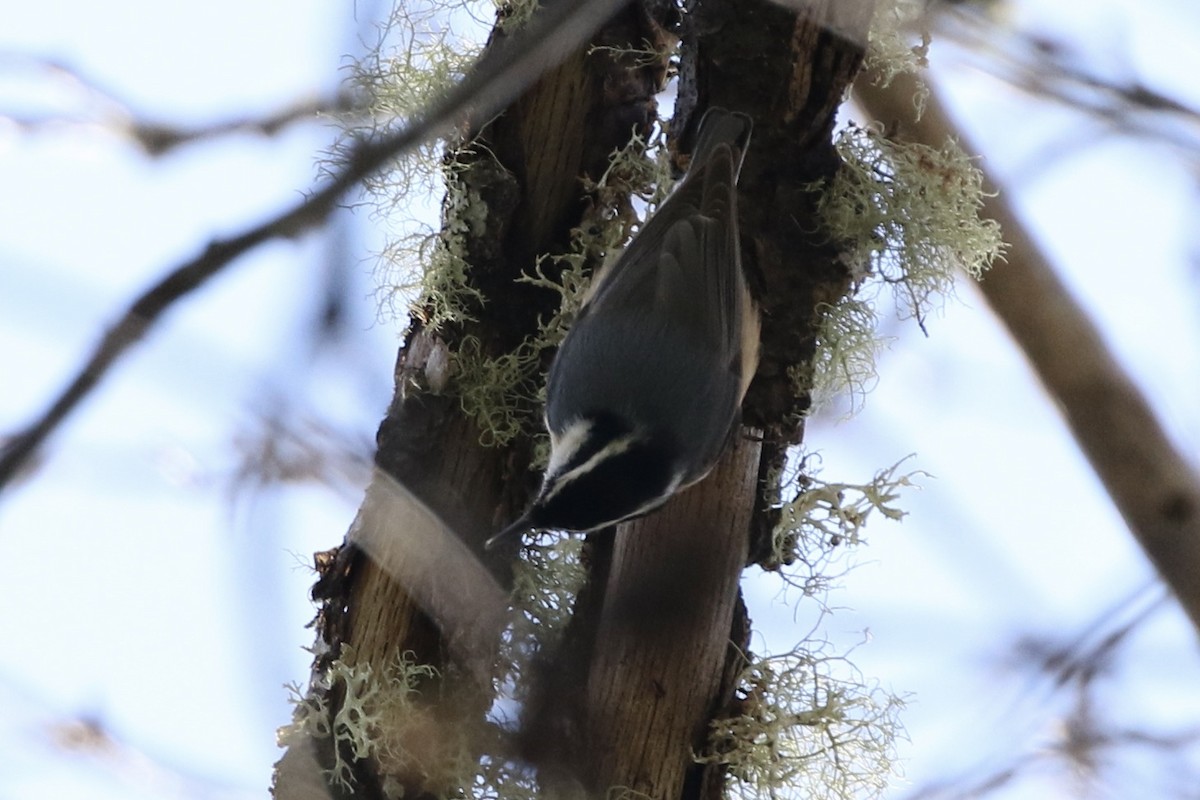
pixel 515 529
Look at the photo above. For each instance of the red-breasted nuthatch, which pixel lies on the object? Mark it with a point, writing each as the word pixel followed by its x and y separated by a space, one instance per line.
pixel 647 385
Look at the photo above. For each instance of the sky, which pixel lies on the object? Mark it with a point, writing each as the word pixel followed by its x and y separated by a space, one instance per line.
pixel 153 596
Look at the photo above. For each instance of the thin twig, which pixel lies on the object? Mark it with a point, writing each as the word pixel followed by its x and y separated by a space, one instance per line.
pixel 505 70
pixel 106 110
pixel 1046 68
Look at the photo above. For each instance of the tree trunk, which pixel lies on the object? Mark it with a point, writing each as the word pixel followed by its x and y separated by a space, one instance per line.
pixel 651 655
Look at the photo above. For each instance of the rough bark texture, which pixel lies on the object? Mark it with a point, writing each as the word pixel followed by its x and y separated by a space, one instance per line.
pixel 1154 487
pixel 670 600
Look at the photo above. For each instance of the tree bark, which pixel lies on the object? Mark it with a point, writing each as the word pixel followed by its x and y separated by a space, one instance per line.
pixel 670 603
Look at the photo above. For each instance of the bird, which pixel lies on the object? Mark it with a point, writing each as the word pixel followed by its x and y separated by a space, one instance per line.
pixel 647 385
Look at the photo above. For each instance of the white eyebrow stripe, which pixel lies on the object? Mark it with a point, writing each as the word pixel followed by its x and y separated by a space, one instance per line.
pixel 613 448
pixel 566 445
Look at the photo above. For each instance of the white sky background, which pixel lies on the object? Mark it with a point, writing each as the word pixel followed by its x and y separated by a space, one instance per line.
pixel 146 594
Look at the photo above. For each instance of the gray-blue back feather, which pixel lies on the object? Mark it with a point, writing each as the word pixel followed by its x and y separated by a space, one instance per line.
pixel 673 305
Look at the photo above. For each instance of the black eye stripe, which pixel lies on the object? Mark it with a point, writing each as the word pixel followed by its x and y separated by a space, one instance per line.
pixel 631 482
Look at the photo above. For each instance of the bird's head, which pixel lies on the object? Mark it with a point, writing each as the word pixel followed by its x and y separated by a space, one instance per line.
pixel 602 470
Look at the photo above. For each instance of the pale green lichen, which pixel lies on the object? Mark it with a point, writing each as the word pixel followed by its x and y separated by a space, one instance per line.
pixel 639 169
pixel 647 55
pixel 807 726
pixel 496 392
pixel 912 213
pixel 898 44
pixel 372 718
pixel 546 581
pixel 823 519
pixel 418 54
pixel 380 718
pixel 847 345
pixel 421 50
pixel 908 216
pixel 427 272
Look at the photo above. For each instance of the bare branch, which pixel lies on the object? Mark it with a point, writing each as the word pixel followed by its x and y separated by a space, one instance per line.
pixel 283 446
pixel 1083 739
pixel 1154 487
pixel 499 77
pixel 106 110
pixel 158 139
pixel 1049 68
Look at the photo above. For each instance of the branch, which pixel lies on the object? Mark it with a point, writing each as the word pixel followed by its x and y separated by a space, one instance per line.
pixel 158 140
pixel 500 76
pixel 155 139
pixel 1083 739
pixel 1046 68
pixel 1153 486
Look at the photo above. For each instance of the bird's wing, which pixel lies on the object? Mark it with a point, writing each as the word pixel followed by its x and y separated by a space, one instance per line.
pixel 683 266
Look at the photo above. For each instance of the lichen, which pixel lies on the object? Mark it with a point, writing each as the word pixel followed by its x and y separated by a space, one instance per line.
pixel 418 54
pixel 908 217
pixel 912 212
pixel 546 580
pixel 847 344
pixel 822 520
pixel 898 44
pixel 497 392
pixel 806 725
pixel 377 718
pixel 426 272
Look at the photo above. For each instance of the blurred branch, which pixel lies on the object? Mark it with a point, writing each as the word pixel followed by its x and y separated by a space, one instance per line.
pixel 283 446
pixel 157 140
pixel 1093 650
pixel 133 764
pixel 1082 739
pixel 500 76
pixel 1046 68
pixel 105 110
pixel 1152 485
